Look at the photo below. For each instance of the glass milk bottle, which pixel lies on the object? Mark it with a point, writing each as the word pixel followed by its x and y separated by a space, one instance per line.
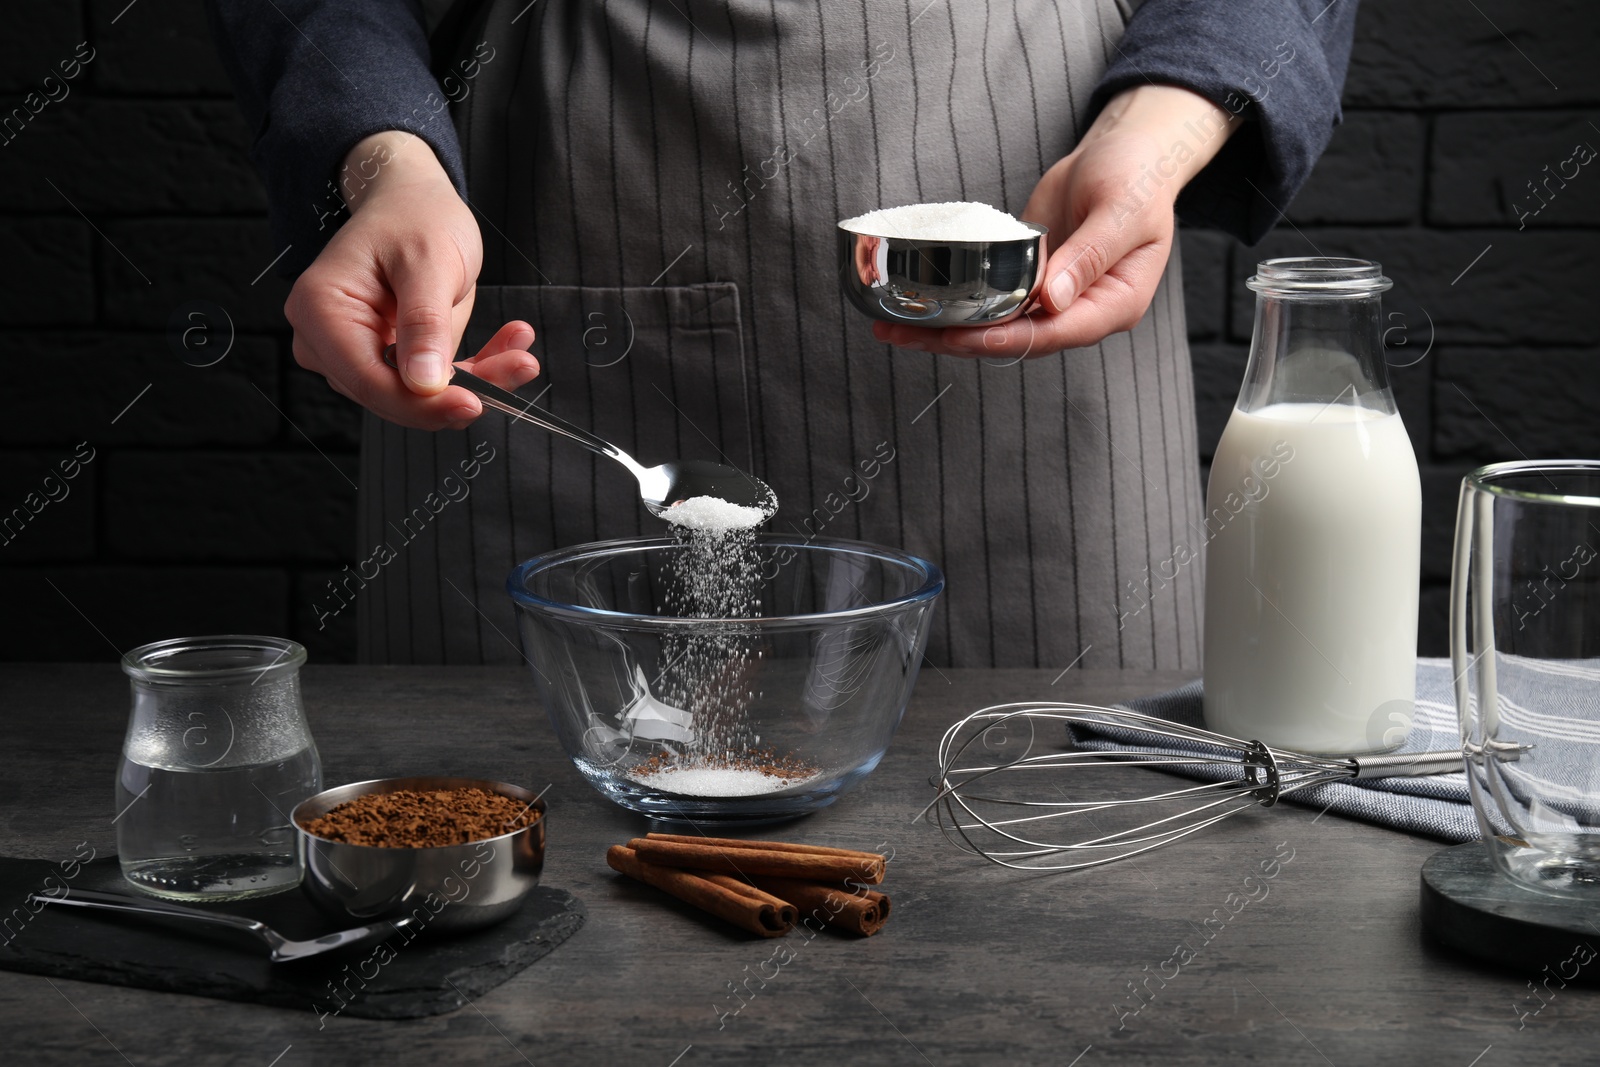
pixel 1313 525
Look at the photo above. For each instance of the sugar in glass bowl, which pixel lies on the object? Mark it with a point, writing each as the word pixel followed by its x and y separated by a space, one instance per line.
pixel 725 720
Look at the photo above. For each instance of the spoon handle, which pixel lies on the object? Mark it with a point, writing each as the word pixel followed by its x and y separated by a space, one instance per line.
pixel 512 404
pixel 88 898
pixel 505 400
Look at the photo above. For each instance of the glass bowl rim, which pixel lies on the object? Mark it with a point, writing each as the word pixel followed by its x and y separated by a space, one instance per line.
pixel 932 584
pixel 1482 480
pixel 137 663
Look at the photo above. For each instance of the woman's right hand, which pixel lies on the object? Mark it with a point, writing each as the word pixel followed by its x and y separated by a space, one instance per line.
pixel 401 269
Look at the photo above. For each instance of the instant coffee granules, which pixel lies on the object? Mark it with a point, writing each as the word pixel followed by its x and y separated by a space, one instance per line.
pixel 410 818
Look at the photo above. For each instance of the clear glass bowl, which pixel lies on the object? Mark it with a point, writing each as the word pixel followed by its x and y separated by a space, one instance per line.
pixel 725 720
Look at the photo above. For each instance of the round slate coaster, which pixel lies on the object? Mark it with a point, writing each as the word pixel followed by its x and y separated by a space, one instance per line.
pixel 1469 906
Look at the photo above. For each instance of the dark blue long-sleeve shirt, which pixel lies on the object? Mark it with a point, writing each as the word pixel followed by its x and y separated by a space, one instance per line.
pixel 315 77
pixel 1279 64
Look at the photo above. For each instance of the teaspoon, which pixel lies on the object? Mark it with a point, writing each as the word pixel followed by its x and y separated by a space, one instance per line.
pixel 660 486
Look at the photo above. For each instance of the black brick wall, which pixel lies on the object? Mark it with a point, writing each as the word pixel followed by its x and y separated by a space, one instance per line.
pixel 220 498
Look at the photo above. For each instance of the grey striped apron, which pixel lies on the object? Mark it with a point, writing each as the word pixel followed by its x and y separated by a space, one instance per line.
pixel 657 185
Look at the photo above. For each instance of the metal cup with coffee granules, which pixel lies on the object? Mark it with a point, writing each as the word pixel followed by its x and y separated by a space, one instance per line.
pixel 452 853
pixel 411 818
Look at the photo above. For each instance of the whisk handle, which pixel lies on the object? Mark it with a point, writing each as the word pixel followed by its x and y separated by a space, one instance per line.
pixel 1409 765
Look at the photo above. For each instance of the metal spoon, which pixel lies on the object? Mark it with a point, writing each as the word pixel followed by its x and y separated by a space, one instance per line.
pixel 282 948
pixel 660 486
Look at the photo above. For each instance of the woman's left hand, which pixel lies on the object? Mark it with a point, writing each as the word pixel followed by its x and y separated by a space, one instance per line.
pixel 1108 205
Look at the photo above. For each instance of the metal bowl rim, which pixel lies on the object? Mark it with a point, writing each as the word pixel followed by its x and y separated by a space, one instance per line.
pixel 362 788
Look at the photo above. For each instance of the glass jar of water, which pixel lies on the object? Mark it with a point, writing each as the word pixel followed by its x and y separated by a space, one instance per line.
pixel 217 754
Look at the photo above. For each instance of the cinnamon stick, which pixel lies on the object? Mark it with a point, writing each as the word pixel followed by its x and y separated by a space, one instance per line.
pixel 774 846
pixel 741 859
pixel 863 912
pixel 727 898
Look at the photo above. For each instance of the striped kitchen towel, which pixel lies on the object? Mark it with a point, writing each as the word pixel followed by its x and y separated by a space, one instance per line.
pixel 1436 805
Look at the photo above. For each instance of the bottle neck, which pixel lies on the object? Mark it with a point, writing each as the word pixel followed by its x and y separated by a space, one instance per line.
pixel 1316 343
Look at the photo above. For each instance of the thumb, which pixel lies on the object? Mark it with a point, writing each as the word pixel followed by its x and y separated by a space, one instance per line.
pixel 1091 250
pixel 424 338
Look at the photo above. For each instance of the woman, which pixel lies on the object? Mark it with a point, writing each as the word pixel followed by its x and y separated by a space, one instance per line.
pixel 653 189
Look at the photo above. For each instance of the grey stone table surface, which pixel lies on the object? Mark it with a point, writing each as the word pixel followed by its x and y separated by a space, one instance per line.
pixel 979 964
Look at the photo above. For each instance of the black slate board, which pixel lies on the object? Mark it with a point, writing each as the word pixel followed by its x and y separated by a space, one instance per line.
pixel 1472 908
pixel 427 975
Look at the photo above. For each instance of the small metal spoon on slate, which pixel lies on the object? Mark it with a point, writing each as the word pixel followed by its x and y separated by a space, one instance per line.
pixel 660 486
pixel 283 949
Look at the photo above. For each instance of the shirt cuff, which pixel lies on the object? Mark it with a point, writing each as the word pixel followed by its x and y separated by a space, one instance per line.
pixel 330 75
pixel 1278 64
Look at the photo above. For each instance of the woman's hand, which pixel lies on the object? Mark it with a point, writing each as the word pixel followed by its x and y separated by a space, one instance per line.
pixel 1109 208
pixel 402 269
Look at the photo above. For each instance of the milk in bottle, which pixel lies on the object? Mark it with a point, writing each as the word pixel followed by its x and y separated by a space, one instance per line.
pixel 1313 519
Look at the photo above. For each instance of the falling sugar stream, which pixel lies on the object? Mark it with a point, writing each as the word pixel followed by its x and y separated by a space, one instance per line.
pixel 716 574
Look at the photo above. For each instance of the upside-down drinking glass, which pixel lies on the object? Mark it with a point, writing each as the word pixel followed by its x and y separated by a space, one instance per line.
pixel 1525 643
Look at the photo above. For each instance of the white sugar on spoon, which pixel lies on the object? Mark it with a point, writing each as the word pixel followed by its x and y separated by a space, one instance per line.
pixel 713 515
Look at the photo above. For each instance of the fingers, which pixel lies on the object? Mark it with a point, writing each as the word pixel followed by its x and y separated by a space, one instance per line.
pixel 509 370
pixel 1031 335
pixel 1097 283
pixel 337 330
pixel 372 383
pixel 504 359
pixel 341 335
pixel 515 334
pixel 426 290
pixel 376 386
pixel 1114 302
pixel 1086 254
